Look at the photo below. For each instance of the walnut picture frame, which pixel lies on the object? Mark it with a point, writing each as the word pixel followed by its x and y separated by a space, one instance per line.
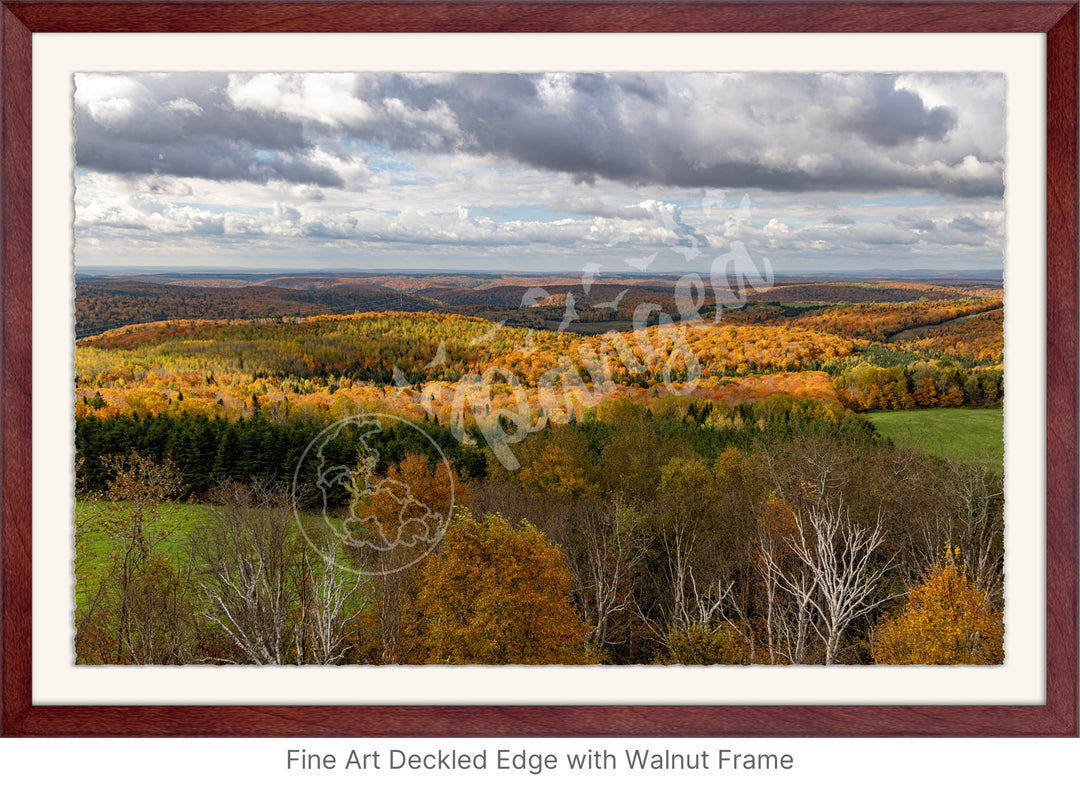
pixel 21 716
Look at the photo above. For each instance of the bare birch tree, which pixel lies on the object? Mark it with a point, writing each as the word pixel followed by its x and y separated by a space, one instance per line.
pixel 682 498
pixel 613 547
pixel 327 593
pixel 971 520
pixel 841 584
pixel 244 554
pixel 789 590
pixel 278 598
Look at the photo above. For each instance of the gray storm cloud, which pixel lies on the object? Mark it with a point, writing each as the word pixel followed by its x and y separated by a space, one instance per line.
pixel 783 132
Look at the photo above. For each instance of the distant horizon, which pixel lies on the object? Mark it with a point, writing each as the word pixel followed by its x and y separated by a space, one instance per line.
pixel 255 271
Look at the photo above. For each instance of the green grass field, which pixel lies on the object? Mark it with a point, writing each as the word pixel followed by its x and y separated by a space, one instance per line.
pixel 961 434
pixel 98 522
pixel 100 527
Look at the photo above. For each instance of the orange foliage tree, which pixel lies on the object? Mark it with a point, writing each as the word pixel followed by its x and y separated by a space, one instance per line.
pixel 499 595
pixel 947 621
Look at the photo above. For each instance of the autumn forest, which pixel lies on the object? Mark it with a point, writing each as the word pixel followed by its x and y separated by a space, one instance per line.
pixel 504 469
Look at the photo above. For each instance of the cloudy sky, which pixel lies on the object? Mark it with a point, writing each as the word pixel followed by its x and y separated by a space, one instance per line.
pixel 556 172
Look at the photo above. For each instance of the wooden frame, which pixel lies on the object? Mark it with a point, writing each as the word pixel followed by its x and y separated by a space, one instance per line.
pixel 1058 20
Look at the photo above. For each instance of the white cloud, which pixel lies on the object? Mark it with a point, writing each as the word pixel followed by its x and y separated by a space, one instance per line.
pixel 556 168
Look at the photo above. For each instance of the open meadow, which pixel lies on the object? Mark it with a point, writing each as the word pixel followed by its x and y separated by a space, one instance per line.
pixel 966 435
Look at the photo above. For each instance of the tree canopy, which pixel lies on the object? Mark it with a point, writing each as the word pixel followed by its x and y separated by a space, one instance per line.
pixel 947 621
pixel 499 595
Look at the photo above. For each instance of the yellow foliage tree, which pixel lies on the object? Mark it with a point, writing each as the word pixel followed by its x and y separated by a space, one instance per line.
pixel 697 644
pixel 499 595
pixel 563 467
pixel 947 621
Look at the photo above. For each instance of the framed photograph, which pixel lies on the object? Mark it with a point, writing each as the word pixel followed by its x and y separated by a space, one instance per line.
pixel 539 369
